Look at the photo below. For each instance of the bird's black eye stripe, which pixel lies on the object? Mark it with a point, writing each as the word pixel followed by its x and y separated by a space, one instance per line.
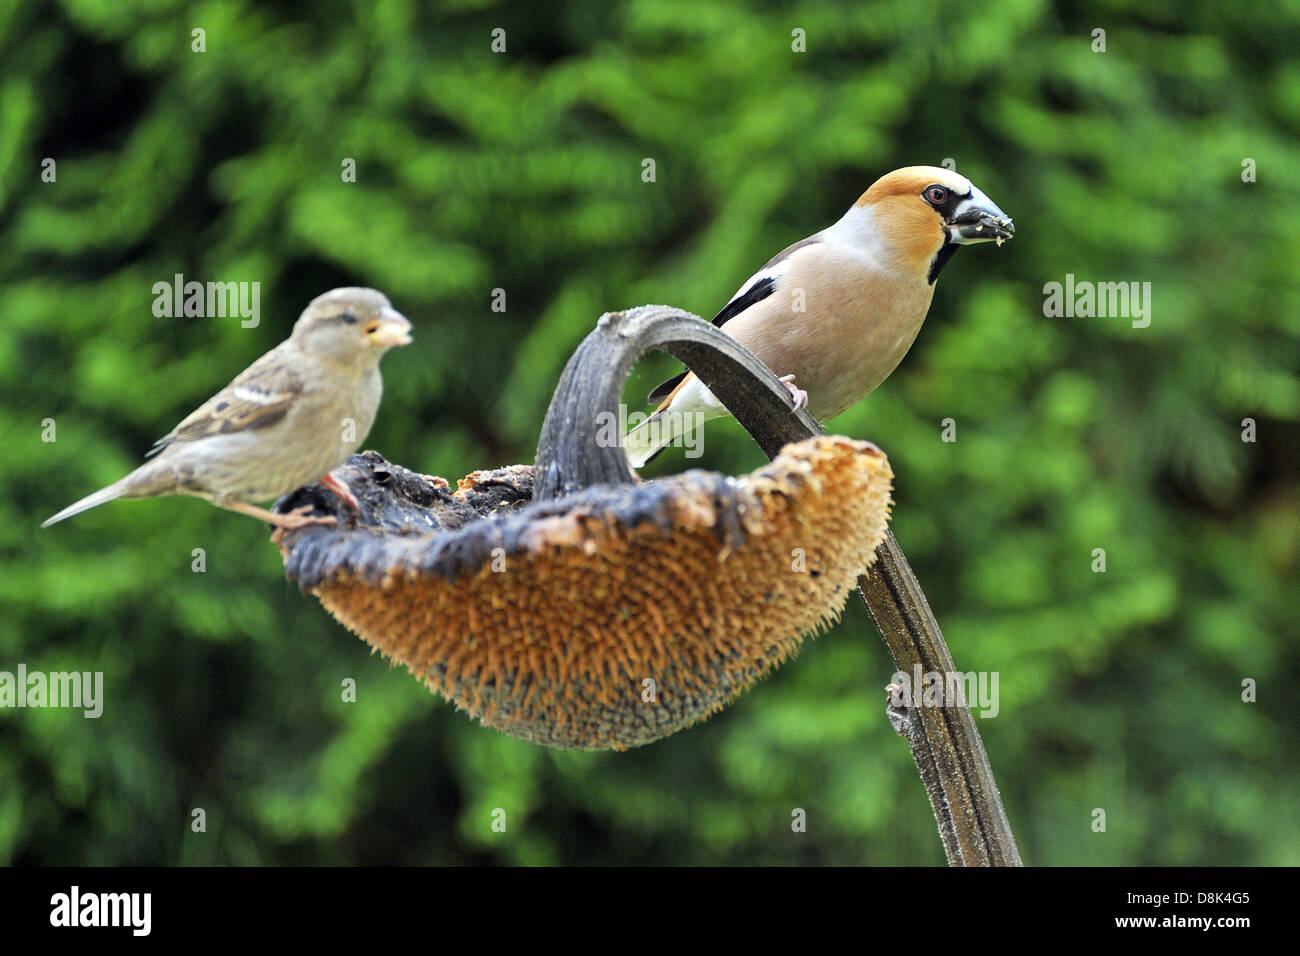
pixel 349 317
pixel 943 199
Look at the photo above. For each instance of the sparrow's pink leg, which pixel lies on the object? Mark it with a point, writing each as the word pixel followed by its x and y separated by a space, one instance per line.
pixel 340 488
pixel 799 396
pixel 298 518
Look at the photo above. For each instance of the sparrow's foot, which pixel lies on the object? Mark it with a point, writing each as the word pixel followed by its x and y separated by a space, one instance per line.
pixel 297 518
pixel 340 488
pixel 799 396
pixel 300 518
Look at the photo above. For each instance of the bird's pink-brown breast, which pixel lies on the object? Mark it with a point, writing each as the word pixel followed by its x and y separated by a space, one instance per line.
pixel 855 322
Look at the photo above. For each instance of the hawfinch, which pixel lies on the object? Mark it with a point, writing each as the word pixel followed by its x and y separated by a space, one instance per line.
pixel 836 312
pixel 288 419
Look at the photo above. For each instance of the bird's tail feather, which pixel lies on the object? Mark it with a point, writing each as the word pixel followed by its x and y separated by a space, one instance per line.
pixel 116 490
pixel 656 433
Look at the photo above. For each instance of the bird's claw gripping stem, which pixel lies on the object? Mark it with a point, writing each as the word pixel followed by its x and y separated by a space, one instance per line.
pixel 798 395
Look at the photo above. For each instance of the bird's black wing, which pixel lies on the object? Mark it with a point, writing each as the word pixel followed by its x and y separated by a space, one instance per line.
pixel 760 286
pixel 755 292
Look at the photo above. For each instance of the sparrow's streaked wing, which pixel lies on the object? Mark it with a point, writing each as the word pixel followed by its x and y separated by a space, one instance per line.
pixel 259 396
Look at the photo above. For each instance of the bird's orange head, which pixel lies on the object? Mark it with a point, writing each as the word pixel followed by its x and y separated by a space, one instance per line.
pixel 928 211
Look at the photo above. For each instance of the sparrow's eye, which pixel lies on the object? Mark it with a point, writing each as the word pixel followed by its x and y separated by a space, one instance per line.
pixel 936 195
pixel 349 317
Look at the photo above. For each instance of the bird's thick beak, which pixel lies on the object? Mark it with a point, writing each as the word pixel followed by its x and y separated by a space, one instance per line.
pixel 978 219
pixel 389 328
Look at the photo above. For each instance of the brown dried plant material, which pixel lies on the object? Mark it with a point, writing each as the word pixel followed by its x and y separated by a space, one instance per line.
pixel 609 618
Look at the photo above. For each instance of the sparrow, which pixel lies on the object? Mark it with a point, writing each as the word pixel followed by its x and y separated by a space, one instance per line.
pixel 836 312
pixel 288 419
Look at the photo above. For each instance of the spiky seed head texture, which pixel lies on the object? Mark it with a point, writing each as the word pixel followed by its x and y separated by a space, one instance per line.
pixel 556 647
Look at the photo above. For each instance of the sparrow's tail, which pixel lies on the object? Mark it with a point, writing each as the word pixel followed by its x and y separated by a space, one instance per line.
pixel 153 478
pixel 116 490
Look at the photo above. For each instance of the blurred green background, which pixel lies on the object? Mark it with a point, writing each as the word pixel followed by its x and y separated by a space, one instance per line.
pixel 522 171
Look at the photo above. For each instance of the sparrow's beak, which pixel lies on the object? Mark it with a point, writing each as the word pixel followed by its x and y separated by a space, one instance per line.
pixel 388 328
pixel 978 219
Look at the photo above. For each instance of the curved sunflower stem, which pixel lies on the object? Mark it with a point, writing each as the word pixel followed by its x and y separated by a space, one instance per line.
pixel 575 451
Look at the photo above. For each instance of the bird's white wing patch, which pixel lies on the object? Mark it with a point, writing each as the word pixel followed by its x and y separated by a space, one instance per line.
pixel 261 395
